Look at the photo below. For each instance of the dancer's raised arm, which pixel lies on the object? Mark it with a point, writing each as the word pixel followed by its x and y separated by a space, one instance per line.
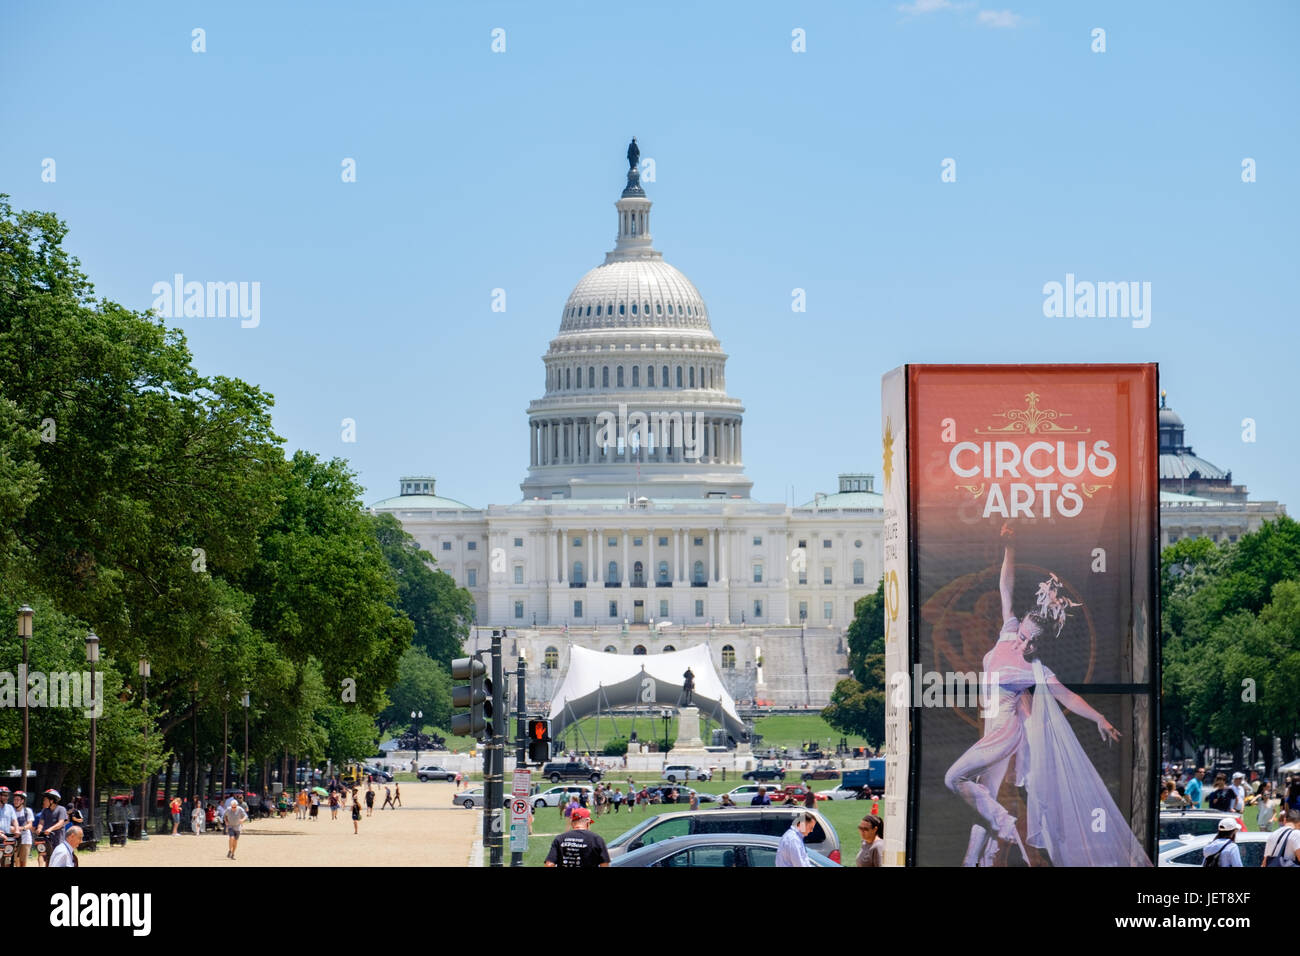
pixel 1076 704
pixel 1007 579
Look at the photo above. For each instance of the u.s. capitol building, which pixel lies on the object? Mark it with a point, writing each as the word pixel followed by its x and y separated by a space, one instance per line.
pixel 637 533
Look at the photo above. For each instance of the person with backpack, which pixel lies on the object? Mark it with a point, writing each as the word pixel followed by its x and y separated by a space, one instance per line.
pixel 1221 797
pixel 1223 849
pixel 1283 847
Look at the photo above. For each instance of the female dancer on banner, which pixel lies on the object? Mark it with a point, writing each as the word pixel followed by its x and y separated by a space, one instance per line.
pixel 1070 813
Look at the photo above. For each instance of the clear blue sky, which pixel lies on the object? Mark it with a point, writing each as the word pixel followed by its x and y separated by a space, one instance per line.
pixel 775 170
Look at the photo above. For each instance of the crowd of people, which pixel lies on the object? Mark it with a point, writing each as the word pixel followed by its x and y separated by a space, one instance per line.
pixel 1278 813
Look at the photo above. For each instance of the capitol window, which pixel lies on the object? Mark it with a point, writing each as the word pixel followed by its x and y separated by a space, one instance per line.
pixel 858 543
pixel 473 578
pixel 647 308
pixel 758 541
pixel 611 649
pixel 577 609
pixel 679 376
pixel 803 577
pixel 473 545
pixel 664 380
pixel 826 543
pixel 604 377
pixel 668 649
pixel 568 382
pixel 613 542
pixel 519 574
pixel 620 377
pixel 663 611
pixel 758 574
pixel 663 541
pixel 692 376
pixel 446 546
pixel 650 375
pixel 758 609
pixel 633 308
pixel 826 575
pixel 609 309
pixel 728 657
pixel 613 609
pixel 519 609
pixel 828 610
pixel 621 307
pixel 552 659
pixel 699 609
pixel 519 542
pixel 639 650
pixel 591 378
pixel 859 572
pixel 659 309
pixel 612 571
pixel 636 376
pixel 589 310
pixel 597 310
pixel 670 308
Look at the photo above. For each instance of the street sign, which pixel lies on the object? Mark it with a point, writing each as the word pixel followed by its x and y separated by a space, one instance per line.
pixel 521 784
pixel 519 819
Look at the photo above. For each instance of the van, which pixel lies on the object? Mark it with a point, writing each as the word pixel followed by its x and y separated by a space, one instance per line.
pixel 768 821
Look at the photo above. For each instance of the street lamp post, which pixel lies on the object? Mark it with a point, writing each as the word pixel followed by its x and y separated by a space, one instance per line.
pixel 665 715
pixel 144 671
pixel 245 703
pixel 417 715
pixel 25 632
pixel 92 658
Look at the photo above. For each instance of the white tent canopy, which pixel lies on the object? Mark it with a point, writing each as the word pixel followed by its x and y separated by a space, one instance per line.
pixel 597 681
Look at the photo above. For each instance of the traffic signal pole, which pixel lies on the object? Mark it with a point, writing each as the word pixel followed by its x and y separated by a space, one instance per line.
pixel 521 753
pixel 494 789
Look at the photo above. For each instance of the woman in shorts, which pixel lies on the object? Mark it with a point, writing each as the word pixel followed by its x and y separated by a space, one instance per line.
pixel 356 813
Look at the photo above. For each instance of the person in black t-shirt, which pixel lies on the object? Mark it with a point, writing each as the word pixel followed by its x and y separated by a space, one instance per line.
pixel 579 847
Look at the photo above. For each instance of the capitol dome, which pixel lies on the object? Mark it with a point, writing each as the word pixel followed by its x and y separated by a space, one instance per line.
pixel 635 349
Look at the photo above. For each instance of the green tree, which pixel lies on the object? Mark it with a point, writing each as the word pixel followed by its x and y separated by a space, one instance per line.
pixel 423 685
pixel 857 705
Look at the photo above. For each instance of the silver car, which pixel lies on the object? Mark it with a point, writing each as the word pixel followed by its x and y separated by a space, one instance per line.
pixel 473 799
pixel 713 850
pixel 761 821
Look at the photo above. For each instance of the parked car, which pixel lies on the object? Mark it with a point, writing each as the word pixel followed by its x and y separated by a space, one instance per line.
pixel 683 792
pixel 713 850
pixel 1191 853
pixel 380 775
pixel 470 799
pixel 820 773
pixel 435 773
pixel 1177 824
pixel 682 771
pixel 556 795
pixel 557 771
pixel 764 821
pixel 796 790
pixel 746 792
pixel 764 773
pixel 842 793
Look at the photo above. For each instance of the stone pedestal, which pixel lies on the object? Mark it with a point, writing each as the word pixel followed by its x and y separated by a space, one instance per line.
pixel 688 733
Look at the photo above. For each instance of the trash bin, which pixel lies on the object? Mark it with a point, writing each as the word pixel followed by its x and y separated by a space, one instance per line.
pixel 117 834
pixel 132 828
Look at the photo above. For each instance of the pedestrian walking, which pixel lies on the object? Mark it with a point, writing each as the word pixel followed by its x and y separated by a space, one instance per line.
pixel 397 795
pixel 196 819
pixel 791 851
pixel 872 852
pixel 234 820
pixel 459 778
pixel 809 799
pixel 579 848
pixel 1268 809
pixel 1283 847
pixel 1223 849
pixel 304 799
pixel 388 799
pixel 65 854
pixel 356 813
pixel 370 800
pixel 695 800
pixel 1193 788
pixel 1220 798
pixel 334 805
pixel 315 806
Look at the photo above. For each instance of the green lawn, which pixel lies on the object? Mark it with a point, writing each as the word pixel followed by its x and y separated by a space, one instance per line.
pixel 791 731
pixel 841 814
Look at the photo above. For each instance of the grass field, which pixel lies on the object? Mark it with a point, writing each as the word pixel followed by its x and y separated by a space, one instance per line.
pixel 843 815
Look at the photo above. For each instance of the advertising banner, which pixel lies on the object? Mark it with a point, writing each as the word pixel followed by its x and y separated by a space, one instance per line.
pixel 1028 689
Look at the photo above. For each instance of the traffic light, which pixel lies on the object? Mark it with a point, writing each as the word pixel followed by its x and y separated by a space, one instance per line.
pixel 539 740
pixel 477 696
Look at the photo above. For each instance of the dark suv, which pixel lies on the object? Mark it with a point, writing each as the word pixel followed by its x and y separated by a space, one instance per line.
pixel 556 772
pixel 765 773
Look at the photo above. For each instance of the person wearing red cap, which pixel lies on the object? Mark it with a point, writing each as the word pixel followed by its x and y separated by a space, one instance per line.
pixel 579 848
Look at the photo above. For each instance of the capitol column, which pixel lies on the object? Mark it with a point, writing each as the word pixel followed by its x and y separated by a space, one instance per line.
pixel 564 552
pixel 654 578
pixel 627 577
pixel 713 552
pixel 599 579
pixel 591 557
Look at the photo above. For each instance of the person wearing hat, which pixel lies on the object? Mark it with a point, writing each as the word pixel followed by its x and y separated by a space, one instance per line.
pixel 52 822
pixel 578 848
pixel 24 823
pixel 1238 792
pixel 1223 849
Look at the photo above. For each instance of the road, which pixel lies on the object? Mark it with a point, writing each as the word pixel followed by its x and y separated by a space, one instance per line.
pixel 426 831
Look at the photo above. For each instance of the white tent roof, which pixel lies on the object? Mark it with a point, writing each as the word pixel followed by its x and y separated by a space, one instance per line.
pixel 621 680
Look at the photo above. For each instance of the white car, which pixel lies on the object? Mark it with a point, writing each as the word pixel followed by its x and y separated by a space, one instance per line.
pixel 746 792
pixel 682 771
pixel 1191 852
pixel 560 793
pixel 840 793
